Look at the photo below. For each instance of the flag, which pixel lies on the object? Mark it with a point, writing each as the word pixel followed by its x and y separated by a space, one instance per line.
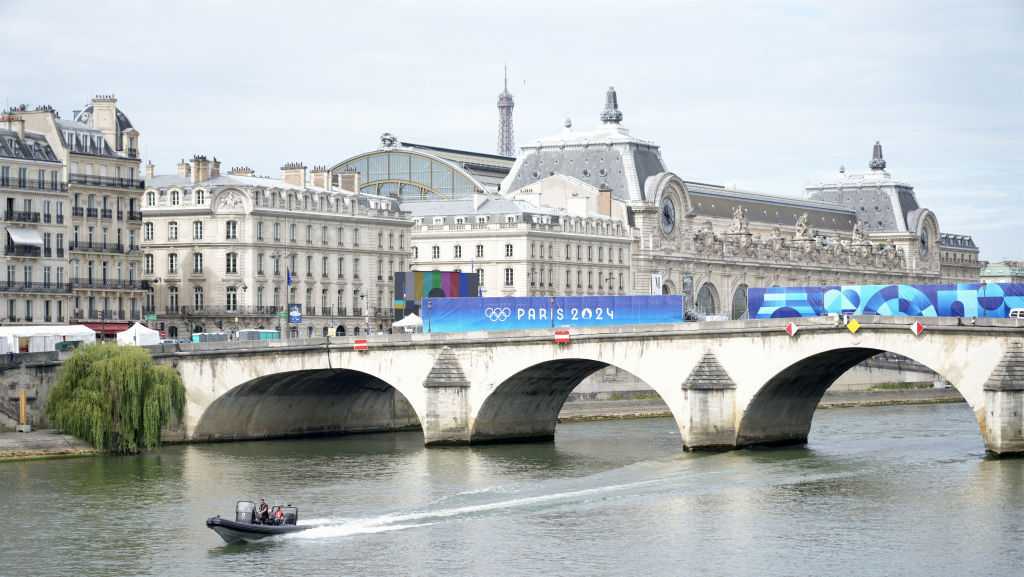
pixel 289 277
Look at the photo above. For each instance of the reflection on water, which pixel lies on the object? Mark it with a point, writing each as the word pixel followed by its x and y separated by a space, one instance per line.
pixel 879 491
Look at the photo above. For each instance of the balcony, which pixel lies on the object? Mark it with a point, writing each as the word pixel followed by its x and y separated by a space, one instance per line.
pixel 106 213
pixel 120 215
pixel 135 215
pixel 107 181
pixel 92 212
pixel 60 219
pixel 225 311
pixel 87 283
pixel 34 185
pixel 22 250
pixel 111 247
pixel 21 216
pixel 60 252
pixel 77 211
pixel 34 287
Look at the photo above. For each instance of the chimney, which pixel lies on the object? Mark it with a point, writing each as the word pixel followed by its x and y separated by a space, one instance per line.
pixel 184 169
pixel 215 168
pixel 151 170
pixel 15 123
pixel 604 200
pixel 294 173
pixel 104 118
pixel 242 171
pixel 320 177
pixel 200 169
pixel 350 181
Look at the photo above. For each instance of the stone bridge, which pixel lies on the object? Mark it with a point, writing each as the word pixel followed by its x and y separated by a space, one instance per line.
pixel 728 384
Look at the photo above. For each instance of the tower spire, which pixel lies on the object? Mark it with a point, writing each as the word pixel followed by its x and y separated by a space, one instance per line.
pixel 611 114
pixel 877 161
pixel 506 139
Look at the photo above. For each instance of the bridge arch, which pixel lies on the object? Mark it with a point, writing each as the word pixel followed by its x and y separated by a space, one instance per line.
pixel 781 409
pixel 525 405
pixel 306 403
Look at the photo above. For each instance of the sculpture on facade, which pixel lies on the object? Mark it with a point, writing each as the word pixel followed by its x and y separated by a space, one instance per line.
pixel 802 230
pixel 858 231
pixel 739 225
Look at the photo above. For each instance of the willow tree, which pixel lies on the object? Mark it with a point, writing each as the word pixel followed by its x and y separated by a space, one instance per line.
pixel 115 397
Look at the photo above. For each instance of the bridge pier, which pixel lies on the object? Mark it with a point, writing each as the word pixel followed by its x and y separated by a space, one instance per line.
pixel 1003 420
pixel 446 421
pixel 709 407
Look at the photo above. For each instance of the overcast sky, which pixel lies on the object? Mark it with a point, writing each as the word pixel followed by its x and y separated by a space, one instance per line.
pixel 768 96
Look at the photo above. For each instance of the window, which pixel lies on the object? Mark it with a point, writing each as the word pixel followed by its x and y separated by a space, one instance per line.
pixel 197 230
pixel 259 263
pixel 620 259
pixel 323 234
pixel 590 254
pixel 200 197
pixel 323 268
pixel 147 231
pixel 231 230
pixel 341 236
pixel 309 234
pixel 197 298
pixel 401 241
pixel 172 263
pixel 175 198
pixel 172 230
pixel 458 251
pixel 380 240
pixel 277 231
pixel 415 252
pixel 435 252
pixel 231 263
pixel 341 267
pixel 291 232
pixel 197 262
pixel 355 237
pixel 391 240
pixel 148 264
pixel 151 198
pixel 509 278
pixel 231 301
pixel 480 277
pixel 309 266
pixel 508 250
pixel 259 297
pixel 277 265
pixel 479 251
pixel 355 267
pixel 172 298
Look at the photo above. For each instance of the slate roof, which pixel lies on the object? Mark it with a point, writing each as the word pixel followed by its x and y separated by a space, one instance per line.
pixel 30 147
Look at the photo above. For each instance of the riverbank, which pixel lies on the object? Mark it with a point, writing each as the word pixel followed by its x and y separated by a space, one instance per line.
pixel 654 407
pixel 41 444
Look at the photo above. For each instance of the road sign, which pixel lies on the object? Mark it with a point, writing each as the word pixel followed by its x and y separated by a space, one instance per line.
pixel 853 326
pixel 917 328
pixel 562 336
pixel 360 345
pixel 791 329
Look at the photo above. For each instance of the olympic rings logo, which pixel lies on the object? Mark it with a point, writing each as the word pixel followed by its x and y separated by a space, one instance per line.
pixel 497 314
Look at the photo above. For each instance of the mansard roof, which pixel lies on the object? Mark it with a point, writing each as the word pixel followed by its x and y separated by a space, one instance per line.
pixel 29 147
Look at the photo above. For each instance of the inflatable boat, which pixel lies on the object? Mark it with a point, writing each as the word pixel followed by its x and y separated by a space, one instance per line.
pixel 247 527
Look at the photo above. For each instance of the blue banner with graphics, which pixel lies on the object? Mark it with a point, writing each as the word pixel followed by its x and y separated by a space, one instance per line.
pixel 940 300
pixel 455 315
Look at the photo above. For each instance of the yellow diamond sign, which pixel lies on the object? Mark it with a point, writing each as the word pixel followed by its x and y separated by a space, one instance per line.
pixel 853 326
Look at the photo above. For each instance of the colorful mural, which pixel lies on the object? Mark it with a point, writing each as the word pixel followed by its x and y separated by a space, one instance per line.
pixel 945 300
pixel 412 287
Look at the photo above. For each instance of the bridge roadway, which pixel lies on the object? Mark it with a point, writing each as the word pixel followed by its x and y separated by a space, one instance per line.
pixel 728 384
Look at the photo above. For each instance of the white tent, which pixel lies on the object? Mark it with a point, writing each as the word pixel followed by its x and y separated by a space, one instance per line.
pixel 410 323
pixel 38 338
pixel 138 335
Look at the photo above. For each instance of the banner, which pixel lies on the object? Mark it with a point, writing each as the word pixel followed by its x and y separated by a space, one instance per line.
pixel 413 286
pixel 941 300
pixel 294 313
pixel 453 315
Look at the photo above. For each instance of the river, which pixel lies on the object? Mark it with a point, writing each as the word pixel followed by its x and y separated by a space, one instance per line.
pixel 878 491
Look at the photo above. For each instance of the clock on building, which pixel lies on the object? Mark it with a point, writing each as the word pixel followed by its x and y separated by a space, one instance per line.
pixel 924 242
pixel 668 215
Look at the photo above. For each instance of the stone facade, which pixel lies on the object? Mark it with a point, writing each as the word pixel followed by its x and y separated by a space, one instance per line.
pixel 95 212
pixel 232 251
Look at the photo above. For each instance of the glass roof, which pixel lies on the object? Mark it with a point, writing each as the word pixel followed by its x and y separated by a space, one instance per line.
pixel 408 176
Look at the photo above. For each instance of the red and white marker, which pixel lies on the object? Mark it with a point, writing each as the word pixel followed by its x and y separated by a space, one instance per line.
pixel 562 336
pixel 917 328
pixel 360 345
pixel 791 329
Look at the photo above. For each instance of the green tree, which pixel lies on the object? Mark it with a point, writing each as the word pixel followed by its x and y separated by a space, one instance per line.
pixel 115 397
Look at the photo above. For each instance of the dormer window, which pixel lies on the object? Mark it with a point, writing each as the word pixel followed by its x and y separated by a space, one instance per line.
pixel 175 198
pixel 200 197
pixel 150 198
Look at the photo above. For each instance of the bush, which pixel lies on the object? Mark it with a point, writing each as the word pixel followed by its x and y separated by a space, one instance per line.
pixel 115 397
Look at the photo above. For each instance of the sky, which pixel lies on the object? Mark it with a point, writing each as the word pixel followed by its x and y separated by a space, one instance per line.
pixel 764 96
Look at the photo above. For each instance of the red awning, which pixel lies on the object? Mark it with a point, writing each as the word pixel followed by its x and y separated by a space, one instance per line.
pixel 108 328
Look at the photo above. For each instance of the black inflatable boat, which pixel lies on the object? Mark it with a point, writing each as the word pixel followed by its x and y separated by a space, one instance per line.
pixel 247 527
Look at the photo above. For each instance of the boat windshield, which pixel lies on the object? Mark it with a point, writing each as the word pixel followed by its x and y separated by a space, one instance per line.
pixel 291 515
pixel 244 511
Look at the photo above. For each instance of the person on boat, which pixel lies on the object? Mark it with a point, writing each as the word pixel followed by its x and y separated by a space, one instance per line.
pixel 279 515
pixel 263 512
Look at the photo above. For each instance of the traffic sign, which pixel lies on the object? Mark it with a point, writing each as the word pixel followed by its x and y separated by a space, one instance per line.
pixel 562 336
pixel 917 328
pixel 791 328
pixel 853 326
pixel 360 345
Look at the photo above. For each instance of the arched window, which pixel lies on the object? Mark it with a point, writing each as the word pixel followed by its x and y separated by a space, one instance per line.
pixel 707 299
pixel 739 302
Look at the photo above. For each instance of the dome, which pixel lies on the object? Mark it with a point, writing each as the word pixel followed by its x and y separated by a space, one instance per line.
pixel 85 117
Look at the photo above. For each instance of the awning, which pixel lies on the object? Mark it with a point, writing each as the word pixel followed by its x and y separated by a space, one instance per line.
pixel 26 236
pixel 108 328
